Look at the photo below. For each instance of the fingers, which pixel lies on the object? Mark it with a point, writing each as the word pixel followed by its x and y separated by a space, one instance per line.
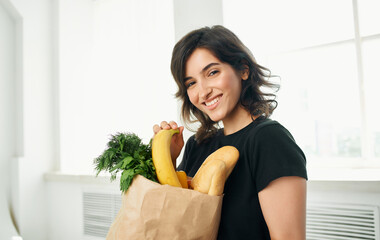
pixel 169 125
pixel 156 129
pixel 166 125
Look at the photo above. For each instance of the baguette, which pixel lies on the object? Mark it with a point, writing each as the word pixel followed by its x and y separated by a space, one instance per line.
pixel 214 171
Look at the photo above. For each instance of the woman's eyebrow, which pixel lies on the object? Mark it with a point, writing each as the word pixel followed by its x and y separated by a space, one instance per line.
pixel 208 66
pixel 203 70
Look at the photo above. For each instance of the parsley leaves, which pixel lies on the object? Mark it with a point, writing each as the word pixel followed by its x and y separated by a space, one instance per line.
pixel 125 152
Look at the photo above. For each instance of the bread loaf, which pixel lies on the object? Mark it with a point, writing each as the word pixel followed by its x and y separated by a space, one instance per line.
pixel 214 171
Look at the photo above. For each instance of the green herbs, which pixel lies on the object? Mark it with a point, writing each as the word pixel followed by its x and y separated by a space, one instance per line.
pixel 128 154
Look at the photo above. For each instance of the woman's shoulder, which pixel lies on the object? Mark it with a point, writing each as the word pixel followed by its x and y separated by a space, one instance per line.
pixel 268 128
pixel 192 140
pixel 261 124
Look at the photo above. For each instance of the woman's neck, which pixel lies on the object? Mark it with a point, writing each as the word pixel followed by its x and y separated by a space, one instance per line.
pixel 240 119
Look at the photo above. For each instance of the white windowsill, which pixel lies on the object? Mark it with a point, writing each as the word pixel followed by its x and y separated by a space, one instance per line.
pixel 320 179
pixel 86 178
pixel 344 174
pixel 314 174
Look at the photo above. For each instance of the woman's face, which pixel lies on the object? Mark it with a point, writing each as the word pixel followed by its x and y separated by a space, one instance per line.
pixel 212 86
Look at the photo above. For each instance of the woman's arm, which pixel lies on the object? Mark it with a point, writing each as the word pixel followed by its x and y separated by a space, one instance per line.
pixel 283 203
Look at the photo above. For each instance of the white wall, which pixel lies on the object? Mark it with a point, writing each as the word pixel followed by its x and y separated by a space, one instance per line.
pixel 30 110
pixel 8 124
pixel 190 15
pixel 7 94
pixel 73 42
pixel 348 192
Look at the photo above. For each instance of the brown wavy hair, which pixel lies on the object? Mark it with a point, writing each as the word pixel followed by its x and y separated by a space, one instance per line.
pixel 227 47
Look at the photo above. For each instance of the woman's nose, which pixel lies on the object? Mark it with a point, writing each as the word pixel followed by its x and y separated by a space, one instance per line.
pixel 204 91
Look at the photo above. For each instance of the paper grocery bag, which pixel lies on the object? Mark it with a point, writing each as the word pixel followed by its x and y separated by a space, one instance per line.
pixel 153 211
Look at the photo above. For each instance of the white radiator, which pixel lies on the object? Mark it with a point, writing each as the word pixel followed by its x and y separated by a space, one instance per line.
pixel 328 221
pixel 99 211
pixel 325 221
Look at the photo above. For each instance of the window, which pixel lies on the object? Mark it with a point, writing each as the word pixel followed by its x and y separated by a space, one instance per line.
pixel 115 76
pixel 131 81
pixel 327 55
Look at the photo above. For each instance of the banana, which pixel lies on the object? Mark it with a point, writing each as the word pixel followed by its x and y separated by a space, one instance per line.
pixel 182 177
pixel 162 159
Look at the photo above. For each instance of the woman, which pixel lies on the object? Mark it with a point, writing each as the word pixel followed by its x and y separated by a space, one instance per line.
pixel 220 82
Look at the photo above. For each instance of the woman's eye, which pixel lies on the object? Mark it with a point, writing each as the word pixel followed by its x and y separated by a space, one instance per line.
pixel 189 84
pixel 213 72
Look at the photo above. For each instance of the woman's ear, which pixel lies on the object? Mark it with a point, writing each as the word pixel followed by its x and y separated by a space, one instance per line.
pixel 245 73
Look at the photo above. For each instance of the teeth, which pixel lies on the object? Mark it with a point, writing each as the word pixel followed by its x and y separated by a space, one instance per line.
pixel 213 101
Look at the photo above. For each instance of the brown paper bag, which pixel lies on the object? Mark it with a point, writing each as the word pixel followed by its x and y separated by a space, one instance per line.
pixel 153 211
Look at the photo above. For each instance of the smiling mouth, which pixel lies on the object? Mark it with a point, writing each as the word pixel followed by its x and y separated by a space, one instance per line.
pixel 212 102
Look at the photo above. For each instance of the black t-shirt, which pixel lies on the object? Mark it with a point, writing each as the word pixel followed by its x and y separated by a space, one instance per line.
pixel 267 152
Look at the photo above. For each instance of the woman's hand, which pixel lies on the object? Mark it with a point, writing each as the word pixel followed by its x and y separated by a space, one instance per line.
pixel 177 142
